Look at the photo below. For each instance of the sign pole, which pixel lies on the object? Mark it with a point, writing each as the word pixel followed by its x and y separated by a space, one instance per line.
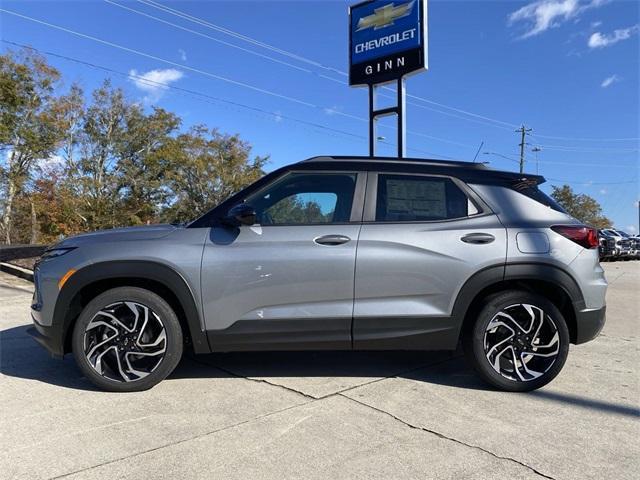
pixel 387 42
pixel 402 118
pixel 372 121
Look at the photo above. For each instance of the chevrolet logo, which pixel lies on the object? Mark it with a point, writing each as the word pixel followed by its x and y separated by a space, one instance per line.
pixel 385 16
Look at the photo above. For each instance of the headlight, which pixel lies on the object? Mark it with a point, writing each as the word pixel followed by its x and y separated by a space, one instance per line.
pixel 56 252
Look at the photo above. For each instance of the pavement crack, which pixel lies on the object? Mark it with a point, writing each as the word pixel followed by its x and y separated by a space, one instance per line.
pixel 395 375
pixel 184 440
pixel 311 397
pixel 445 437
pixel 257 380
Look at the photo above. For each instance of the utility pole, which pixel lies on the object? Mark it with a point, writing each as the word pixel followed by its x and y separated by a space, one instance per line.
pixel 524 131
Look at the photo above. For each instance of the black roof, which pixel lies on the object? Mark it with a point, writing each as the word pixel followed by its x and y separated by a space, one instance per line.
pixel 467 171
pixel 478 173
pixel 395 160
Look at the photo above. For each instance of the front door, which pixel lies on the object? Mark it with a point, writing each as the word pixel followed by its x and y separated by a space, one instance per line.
pixel 287 281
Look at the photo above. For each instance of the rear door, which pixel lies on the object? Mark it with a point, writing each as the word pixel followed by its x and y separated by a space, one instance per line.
pixel 287 281
pixel 422 237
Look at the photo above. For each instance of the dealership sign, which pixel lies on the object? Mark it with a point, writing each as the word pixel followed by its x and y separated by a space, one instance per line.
pixel 387 40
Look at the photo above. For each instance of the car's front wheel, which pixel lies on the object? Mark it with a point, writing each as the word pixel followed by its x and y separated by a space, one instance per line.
pixel 519 341
pixel 127 339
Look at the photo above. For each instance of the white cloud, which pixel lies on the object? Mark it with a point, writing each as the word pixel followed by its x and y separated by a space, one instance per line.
pixel 603 191
pixel 155 82
pixel 53 161
pixel 607 82
pixel 631 229
pixel 277 116
pixel 183 55
pixel 602 40
pixel 332 110
pixel 542 15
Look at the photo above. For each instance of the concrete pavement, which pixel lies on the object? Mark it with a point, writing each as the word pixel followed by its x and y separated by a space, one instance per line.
pixel 324 415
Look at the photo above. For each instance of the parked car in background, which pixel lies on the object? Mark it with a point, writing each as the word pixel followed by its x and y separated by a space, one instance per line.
pixel 607 246
pixel 633 244
pixel 623 244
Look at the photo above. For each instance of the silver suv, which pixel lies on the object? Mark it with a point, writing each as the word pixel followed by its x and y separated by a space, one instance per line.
pixel 334 253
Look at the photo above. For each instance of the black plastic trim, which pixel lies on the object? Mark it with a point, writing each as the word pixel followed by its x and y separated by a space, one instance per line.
pixel 405 333
pixel 590 324
pixel 288 334
pixel 549 273
pixel 128 269
pixel 48 337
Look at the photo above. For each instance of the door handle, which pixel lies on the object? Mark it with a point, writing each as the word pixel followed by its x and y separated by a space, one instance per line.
pixel 478 238
pixel 331 240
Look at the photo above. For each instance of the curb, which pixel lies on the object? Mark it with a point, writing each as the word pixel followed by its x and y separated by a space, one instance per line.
pixel 16 271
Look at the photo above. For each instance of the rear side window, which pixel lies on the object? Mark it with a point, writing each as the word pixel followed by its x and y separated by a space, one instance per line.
pixel 533 192
pixel 415 198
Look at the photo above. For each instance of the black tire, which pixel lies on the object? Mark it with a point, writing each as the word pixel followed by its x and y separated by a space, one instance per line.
pixel 476 346
pixel 165 322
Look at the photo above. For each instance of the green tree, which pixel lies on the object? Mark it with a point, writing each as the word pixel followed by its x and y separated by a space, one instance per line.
pixel 103 127
pixel 294 209
pixel 73 164
pixel 29 128
pixel 580 206
pixel 141 169
pixel 204 167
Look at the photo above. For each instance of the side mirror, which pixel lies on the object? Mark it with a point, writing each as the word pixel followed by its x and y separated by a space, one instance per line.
pixel 242 214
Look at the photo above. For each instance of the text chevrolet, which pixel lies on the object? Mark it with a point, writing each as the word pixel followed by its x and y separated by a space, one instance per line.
pixel 334 253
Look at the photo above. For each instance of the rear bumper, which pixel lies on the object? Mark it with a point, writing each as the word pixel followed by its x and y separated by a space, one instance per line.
pixel 589 324
pixel 49 337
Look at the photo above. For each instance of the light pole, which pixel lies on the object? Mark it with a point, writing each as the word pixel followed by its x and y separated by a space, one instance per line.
pixel 536 150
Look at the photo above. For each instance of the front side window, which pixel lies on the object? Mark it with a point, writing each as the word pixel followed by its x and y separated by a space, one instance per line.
pixel 306 198
pixel 414 198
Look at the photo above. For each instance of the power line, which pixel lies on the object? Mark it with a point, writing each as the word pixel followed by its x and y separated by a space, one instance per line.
pixel 212 75
pixel 153 57
pixel 341 82
pixel 578 139
pixel 192 93
pixel 228 44
pixel 237 35
pixel 574 182
pixel 246 38
pixel 603 150
pixel 306 60
pixel 554 162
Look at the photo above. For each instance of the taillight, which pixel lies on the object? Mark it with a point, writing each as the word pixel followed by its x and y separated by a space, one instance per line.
pixel 584 236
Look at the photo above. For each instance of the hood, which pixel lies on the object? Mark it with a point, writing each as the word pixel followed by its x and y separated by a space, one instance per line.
pixel 145 232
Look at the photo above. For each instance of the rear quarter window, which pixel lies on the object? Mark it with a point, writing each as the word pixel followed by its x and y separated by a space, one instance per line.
pixel 533 192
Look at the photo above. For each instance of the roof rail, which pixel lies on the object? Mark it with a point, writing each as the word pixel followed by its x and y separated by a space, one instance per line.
pixel 425 161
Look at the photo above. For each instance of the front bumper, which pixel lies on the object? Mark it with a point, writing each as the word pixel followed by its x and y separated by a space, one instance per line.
pixel 589 324
pixel 50 338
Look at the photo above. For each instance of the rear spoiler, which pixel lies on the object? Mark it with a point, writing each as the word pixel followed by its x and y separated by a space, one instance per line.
pixel 515 180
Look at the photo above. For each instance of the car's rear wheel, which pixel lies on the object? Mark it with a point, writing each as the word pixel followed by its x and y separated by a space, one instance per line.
pixel 519 341
pixel 127 339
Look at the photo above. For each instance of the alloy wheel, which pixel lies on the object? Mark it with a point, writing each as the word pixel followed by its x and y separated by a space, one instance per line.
pixel 521 342
pixel 125 341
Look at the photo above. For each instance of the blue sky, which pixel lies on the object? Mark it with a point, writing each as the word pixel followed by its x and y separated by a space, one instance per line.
pixel 566 68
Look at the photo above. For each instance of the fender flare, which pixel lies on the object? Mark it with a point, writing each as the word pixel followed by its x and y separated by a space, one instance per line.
pixel 146 270
pixel 509 272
